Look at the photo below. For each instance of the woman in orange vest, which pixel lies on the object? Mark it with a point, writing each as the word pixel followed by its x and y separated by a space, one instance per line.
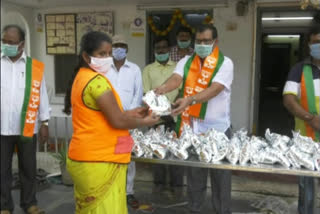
pixel 100 147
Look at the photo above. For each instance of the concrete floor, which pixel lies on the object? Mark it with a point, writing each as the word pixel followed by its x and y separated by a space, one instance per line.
pixel 58 199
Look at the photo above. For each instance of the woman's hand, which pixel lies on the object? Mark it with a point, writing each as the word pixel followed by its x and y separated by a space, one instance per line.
pixel 150 120
pixel 139 112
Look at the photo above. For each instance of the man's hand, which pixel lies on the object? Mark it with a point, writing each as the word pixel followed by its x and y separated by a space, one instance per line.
pixel 160 90
pixel 43 133
pixel 180 105
pixel 315 123
pixel 139 112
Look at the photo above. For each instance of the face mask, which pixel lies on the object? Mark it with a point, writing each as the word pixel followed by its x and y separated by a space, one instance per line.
pixel 9 50
pixel 119 53
pixel 162 57
pixel 184 44
pixel 315 51
pixel 203 50
pixel 101 65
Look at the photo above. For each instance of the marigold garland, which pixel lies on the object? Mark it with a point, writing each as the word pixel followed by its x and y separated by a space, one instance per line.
pixel 177 15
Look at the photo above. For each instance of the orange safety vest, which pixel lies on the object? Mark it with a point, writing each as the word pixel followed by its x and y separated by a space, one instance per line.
pixel 94 139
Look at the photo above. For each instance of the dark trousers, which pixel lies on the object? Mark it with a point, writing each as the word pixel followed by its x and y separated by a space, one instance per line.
pixel 160 171
pixel 27 171
pixel 220 188
pixel 306 195
pixel 175 174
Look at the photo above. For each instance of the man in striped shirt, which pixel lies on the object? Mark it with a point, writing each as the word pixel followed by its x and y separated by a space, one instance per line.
pixel 301 96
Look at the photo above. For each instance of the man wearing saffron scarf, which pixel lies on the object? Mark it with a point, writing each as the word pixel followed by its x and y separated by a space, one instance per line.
pixel 24 103
pixel 204 104
pixel 301 96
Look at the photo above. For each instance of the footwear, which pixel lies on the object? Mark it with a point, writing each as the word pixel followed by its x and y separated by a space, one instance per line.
pixel 35 210
pixel 132 201
pixel 5 212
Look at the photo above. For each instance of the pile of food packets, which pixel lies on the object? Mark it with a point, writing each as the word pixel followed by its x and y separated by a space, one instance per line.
pixel 213 147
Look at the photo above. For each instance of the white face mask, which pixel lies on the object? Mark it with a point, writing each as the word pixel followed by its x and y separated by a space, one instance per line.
pixel 101 65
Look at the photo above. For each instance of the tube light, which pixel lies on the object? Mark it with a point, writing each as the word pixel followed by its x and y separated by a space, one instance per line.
pixel 283 36
pixel 286 18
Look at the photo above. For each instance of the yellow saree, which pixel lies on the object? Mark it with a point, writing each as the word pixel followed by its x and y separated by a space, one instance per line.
pixel 99 188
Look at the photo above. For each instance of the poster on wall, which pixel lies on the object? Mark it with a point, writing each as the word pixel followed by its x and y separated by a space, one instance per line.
pixel 60 33
pixel 98 21
pixel 137 27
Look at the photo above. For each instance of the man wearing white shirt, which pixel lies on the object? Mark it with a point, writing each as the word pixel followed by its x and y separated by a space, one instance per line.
pixel 24 103
pixel 125 77
pixel 204 104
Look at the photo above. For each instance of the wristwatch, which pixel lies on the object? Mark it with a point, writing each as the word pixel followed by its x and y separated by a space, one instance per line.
pixel 45 123
pixel 193 100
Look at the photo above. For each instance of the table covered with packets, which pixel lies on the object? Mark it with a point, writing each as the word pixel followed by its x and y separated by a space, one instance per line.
pixel 275 153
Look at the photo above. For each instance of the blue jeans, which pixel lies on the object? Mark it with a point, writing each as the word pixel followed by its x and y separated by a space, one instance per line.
pixel 306 195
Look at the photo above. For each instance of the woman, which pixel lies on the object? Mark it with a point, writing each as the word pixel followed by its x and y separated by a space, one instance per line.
pixel 100 147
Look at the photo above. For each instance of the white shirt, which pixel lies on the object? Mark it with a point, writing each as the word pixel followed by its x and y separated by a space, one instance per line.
pixel 13 78
pixel 218 109
pixel 128 83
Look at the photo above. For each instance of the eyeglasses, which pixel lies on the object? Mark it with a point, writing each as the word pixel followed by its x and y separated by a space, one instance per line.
pixel 204 41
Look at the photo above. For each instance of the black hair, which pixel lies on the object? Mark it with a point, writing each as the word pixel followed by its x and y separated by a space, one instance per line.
pixel 314 31
pixel 204 27
pixel 183 29
pixel 90 42
pixel 21 32
pixel 161 38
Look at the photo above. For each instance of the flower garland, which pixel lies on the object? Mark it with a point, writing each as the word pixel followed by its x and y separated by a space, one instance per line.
pixel 177 15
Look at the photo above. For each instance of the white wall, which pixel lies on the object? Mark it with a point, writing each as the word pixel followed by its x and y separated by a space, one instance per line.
pixel 236 44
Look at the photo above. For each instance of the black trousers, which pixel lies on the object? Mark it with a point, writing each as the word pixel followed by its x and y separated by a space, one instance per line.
pixel 306 195
pixel 27 171
pixel 160 171
pixel 220 188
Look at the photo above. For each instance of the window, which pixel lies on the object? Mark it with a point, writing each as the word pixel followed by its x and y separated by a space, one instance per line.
pixel 64 67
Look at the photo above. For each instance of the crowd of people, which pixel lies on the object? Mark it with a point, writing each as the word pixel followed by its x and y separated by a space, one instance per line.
pixel 105 100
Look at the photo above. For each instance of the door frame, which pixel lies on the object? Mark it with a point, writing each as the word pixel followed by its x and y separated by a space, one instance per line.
pixel 256 74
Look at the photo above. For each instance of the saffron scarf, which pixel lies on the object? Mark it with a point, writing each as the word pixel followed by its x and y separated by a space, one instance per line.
pixel 34 74
pixel 195 80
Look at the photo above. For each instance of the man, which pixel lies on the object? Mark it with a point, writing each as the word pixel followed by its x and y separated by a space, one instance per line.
pixel 24 103
pixel 153 76
pixel 183 46
pixel 301 96
pixel 204 104
pixel 125 76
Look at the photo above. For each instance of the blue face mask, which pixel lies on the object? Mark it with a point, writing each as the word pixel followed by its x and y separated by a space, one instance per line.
pixel 119 53
pixel 9 50
pixel 203 50
pixel 184 44
pixel 315 51
pixel 162 57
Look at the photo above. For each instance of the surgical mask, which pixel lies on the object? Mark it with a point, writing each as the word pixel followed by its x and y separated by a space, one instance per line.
pixel 119 53
pixel 162 57
pixel 315 51
pixel 184 44
pixel 9 50
pixel 101 65
pixel 203 50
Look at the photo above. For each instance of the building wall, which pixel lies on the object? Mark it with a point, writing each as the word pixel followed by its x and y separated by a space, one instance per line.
pixel 235 39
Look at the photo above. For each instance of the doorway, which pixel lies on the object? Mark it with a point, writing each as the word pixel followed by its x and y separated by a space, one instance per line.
pixel 280 45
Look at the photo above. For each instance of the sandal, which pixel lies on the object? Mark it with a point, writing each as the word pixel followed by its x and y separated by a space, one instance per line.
pixel 132 201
